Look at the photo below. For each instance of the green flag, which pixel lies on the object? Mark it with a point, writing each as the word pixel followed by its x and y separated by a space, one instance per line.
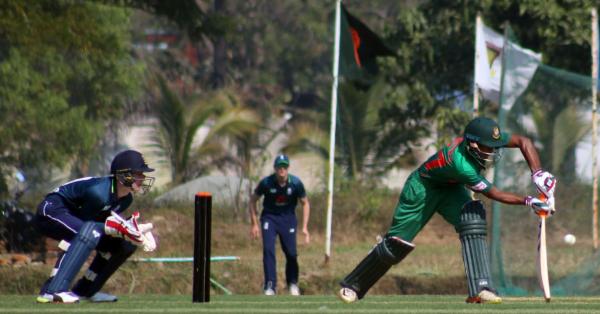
pixel 359 48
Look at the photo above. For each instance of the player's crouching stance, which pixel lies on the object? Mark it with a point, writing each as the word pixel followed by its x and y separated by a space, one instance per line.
pixel 440 185
pixel 84 216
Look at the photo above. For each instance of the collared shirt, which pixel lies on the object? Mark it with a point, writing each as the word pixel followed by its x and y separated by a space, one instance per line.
pixel 453 165
pixel 92 198
pixel 277 198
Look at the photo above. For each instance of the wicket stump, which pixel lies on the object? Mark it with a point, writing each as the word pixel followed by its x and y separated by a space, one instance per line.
pixel 202 228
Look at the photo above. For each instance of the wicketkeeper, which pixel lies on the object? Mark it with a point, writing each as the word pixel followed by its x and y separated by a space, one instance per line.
pixel 84 216
pixel 441 185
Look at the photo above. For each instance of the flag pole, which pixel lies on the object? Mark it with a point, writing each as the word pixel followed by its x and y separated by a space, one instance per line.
pixel 475 89
pixel 594 128
pixel 334 91
pixel 495 241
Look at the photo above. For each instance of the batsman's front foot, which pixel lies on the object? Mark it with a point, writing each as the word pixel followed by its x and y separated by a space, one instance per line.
pixel 347 295
pixel 101 297
pixel 485 296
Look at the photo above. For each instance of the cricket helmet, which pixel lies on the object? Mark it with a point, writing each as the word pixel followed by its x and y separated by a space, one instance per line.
pixel 483 131
pixel 126 164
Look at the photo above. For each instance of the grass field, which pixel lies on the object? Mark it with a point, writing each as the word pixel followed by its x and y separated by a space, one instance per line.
pixel 304 304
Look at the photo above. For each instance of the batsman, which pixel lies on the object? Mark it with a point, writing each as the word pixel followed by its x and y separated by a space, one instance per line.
pixel 442 184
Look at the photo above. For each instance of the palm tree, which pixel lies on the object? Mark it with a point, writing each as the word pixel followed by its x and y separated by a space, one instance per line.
pixel 177 134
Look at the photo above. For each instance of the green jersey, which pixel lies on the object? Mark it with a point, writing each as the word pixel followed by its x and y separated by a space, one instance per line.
pixel 452 165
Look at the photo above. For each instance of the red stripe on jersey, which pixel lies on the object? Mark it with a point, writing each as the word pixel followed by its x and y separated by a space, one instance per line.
pixel 453 146
pixel 439 162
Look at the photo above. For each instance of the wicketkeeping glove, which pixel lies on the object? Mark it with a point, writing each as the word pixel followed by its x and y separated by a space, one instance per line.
pixel 545 182
pixel 116 226
pixel 539 207
pixel 148 242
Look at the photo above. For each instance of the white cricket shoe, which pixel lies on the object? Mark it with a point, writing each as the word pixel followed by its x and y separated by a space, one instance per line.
pixel 269 291
pixel 485 296
pixel 101 297
pixel 347 295
pixel 294 290
pixel 66 297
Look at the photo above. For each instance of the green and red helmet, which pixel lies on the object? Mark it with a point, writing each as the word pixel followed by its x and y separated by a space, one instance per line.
pixel 484 139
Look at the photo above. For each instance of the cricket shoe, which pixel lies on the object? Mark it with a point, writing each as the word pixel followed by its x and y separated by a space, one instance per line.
pixel 66 297
pixel 347 295
pixel 101 297
pixel 44 298
pixel 485 296
pixel 269 291
pixel 294 289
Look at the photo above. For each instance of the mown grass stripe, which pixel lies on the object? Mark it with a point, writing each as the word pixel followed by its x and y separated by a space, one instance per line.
pixel 306 304
pixel 62 309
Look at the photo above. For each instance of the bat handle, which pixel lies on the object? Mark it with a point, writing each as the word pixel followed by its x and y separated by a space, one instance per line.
pixel 543 198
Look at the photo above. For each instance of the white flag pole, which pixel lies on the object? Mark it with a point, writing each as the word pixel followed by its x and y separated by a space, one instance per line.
pixel 334 91
pixel 477 56
pixel 594 128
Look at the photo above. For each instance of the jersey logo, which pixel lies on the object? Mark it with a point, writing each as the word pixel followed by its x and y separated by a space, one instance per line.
pixel 273 190
pixel 496 133
pixel 280 200
pixel 105 208
pixel 289 191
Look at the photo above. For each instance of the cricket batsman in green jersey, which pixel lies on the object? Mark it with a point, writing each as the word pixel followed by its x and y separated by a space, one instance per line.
pixel 443 185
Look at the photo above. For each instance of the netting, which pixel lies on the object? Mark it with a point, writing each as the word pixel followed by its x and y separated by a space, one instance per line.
pixel 555 111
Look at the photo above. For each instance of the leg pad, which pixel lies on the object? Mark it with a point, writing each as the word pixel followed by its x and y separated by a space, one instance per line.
pixel 472 230
pixel 80 249
pixel 102 268
pixel 388 252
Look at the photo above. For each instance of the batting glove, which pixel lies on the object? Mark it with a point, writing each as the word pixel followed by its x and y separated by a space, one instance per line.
pixel 118 227
pixel 540 207
pixel 545 182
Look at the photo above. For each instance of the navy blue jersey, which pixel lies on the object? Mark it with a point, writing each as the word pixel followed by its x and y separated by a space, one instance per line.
pixel 92 198
pixel 277 198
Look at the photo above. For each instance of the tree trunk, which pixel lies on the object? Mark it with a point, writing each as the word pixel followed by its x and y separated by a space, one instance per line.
pixel 219 53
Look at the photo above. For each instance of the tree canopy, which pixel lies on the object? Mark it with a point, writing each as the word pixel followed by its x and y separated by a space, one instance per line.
pixel 69 69
pixel 65 69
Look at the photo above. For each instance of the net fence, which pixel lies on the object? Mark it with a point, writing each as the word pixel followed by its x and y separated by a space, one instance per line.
pixel 555 111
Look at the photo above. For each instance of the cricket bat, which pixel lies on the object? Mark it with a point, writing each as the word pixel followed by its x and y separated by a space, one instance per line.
pixel 542 256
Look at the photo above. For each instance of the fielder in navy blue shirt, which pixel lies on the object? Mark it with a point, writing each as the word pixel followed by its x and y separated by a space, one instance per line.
pixel 83 215
pixel 281 192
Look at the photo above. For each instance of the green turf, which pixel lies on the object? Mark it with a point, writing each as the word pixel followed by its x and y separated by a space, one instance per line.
pixel 304 304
